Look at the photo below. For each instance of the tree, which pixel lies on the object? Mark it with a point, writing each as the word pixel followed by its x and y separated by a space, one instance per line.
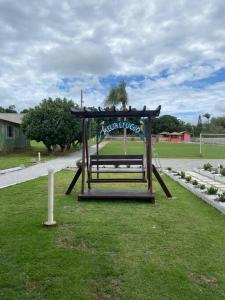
pixel 9 109
pixel 24 111
pixel 52 123
pixel 217 125
pixel 169 124
pixel 207 116
pixel 117 95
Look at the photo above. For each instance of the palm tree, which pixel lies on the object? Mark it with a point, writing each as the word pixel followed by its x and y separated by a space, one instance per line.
pixel 118 95
pixel 207 116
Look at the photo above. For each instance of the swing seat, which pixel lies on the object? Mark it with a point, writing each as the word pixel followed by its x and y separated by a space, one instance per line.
pixel 106 164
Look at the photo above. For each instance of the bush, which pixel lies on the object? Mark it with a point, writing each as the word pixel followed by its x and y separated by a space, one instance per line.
pixel 188 178
pixel 212 190
pixel 201 186
pixel 195 182
pixel 221 197
pixel 182 174
pixel 207 167
pixel 222 171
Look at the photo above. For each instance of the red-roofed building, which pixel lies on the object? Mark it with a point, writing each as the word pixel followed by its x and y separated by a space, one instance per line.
pixel 175 137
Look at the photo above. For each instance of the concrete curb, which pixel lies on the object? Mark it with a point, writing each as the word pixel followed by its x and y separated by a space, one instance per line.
pixel 207 198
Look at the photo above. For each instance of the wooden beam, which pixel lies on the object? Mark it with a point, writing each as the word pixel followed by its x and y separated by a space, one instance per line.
pixel 74 180
pixel 97 141
pixel 161 182
pixel 87 154
pixel 149 154
pixel 83 156
pixel 110 113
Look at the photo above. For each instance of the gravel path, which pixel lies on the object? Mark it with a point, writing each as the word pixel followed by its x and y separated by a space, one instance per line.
pixel 58 164
pixel 41 169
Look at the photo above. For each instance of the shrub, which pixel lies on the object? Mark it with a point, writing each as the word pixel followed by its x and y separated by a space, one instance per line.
pixel 188 178
pixel 202 186
pixel 207 167
pixel 182 174
pixel 222 171
pixel 195 182
pixel 221 197
pixel 212 190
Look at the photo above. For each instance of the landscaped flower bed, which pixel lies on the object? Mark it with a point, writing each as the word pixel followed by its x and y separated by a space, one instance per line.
pixel 206 191
pixel 217 174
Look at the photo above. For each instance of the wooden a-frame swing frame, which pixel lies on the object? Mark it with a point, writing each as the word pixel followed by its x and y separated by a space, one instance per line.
pixel 86 114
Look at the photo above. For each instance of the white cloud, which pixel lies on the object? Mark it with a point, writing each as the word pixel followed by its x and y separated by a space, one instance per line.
pixel 42 44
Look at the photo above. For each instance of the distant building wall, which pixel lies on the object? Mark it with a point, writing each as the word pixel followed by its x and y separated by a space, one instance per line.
pixel 186 137
pixel 11 136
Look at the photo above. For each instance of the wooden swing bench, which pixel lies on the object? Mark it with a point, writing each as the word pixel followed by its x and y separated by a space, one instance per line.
pixel 98 165
pixel 106 164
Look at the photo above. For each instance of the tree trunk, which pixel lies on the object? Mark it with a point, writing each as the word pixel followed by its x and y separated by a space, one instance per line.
pixel 49 147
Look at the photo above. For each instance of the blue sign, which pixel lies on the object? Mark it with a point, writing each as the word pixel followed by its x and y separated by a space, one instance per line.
pixel 105 130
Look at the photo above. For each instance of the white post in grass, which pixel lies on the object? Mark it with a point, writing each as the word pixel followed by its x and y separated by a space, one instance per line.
pixel 39 156
pixel 50 221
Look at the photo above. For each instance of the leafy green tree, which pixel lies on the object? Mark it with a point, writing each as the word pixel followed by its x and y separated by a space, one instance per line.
pixel 24 111
pixel 217 125
pixel 167 123
pixel 52 123
pixel 9 109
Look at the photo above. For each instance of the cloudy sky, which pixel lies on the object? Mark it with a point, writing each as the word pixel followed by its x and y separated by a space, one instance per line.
pixel 169 52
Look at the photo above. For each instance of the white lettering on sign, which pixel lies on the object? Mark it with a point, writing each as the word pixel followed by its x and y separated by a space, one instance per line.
pixel 120 125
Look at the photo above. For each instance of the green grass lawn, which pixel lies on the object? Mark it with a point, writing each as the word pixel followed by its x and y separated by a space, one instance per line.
pixel 167 150
pixel 110 249
pixel 24 157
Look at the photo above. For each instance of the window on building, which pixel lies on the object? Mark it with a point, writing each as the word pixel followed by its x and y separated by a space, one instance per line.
pixel 10 131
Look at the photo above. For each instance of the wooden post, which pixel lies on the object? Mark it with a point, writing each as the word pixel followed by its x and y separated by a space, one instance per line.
pixel 149 154
pixel 87 155
pixel 83 156
pixel 97 141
